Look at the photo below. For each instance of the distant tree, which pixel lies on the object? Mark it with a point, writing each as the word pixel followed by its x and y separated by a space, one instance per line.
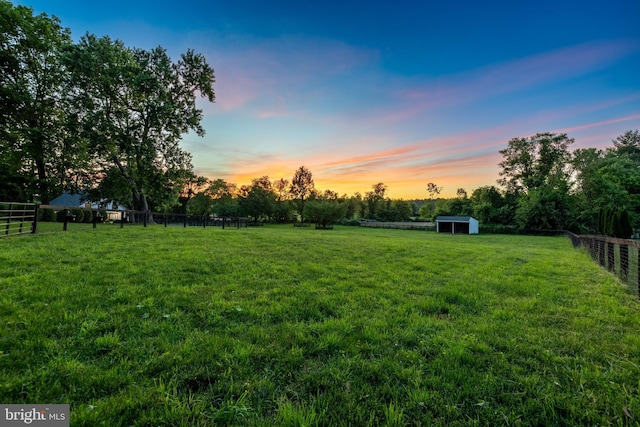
pixel 133 106
pixel 282 210
pixel 426 211
pixel 545 208
pixel 460 207
pixel 223 196
pixel 200 204
pixel 258 200
pixel 325 212
pixel 302 187
pixel 433 191
pixel 403 208
pixel 628 144
pixel 359 205
pixel 374 198
pixel 351 207
pixel 461 193
pixel 486 203
pixel 329 195
pixel 192 185
pixel 281 188
pixel 441 207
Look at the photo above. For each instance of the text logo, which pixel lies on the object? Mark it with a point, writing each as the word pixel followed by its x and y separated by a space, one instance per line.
pixel 34 415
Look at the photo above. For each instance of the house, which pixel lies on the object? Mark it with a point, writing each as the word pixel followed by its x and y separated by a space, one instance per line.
pixel 457 225
pixel 80 200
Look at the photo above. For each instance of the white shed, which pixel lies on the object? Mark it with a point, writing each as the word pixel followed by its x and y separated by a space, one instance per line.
pixel 457 225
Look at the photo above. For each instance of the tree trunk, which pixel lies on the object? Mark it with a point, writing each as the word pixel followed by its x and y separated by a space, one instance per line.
pixel 139 199
pixel 37 141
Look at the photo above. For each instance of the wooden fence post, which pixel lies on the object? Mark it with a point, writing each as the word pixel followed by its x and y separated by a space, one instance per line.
pixel 6 232
pixel 624 260
pixel 611 258
pixel 638 272
pixel 36 212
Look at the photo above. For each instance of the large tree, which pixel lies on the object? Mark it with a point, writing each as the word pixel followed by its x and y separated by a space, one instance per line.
pixel 34 152
pixel 537 170
pixel 536 161
pixel 608 180
pixel 133 106
pixel 487 203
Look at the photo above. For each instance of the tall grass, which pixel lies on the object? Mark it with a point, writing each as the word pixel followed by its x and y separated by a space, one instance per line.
pixel 293 326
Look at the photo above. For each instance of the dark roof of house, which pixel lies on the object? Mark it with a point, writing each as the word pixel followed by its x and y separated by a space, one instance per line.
pixel 68 199
pixel 455 219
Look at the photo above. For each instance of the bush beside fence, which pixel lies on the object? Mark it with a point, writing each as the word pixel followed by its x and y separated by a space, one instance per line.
pixel 619 256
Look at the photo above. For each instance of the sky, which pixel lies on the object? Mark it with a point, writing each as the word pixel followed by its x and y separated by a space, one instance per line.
pixel 404 92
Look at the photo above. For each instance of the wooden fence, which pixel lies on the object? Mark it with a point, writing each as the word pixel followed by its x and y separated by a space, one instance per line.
pixel 66 215
pixel 17 218
pixel 619 256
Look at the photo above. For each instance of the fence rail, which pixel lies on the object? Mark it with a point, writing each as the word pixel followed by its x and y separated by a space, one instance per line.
pixel 619 256
pixel 17 218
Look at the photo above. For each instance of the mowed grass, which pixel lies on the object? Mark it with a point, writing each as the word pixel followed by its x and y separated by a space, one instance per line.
pixel 298 327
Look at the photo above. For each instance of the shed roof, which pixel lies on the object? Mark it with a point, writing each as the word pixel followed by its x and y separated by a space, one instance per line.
pixel 455 219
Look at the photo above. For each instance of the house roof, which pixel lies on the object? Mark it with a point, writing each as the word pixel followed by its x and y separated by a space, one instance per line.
pixel 79 199
pixel 455 219
pixel 68 199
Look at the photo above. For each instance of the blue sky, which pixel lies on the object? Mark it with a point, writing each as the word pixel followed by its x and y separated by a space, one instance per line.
pixel 404 93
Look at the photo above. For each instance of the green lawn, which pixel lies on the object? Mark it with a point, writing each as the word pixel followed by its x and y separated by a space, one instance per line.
pixel 294 326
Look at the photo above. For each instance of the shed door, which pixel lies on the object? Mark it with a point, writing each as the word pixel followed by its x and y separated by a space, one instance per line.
pixel 462 228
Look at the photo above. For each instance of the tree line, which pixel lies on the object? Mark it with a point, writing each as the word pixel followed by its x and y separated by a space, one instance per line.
pixel 546 185
pixel 285 201
pixel 105 119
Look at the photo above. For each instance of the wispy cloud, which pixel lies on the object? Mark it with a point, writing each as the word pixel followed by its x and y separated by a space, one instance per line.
pixel 633 117
pixel 263 74
pixel 414 98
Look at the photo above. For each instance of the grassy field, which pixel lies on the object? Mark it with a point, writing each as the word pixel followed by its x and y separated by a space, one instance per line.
pixel 293 326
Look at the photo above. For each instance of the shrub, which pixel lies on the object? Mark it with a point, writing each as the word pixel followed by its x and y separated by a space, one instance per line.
pixel 87 216
pixel 61 213
pixel 78 214
pixel 47 215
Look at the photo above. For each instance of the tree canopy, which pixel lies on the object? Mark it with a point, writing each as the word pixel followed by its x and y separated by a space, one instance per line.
pixel 132 107
pixel 94 116
pixel 302 187
pixel 34 152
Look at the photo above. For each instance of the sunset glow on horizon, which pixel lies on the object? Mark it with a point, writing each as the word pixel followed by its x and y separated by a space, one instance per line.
pixel 403 94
